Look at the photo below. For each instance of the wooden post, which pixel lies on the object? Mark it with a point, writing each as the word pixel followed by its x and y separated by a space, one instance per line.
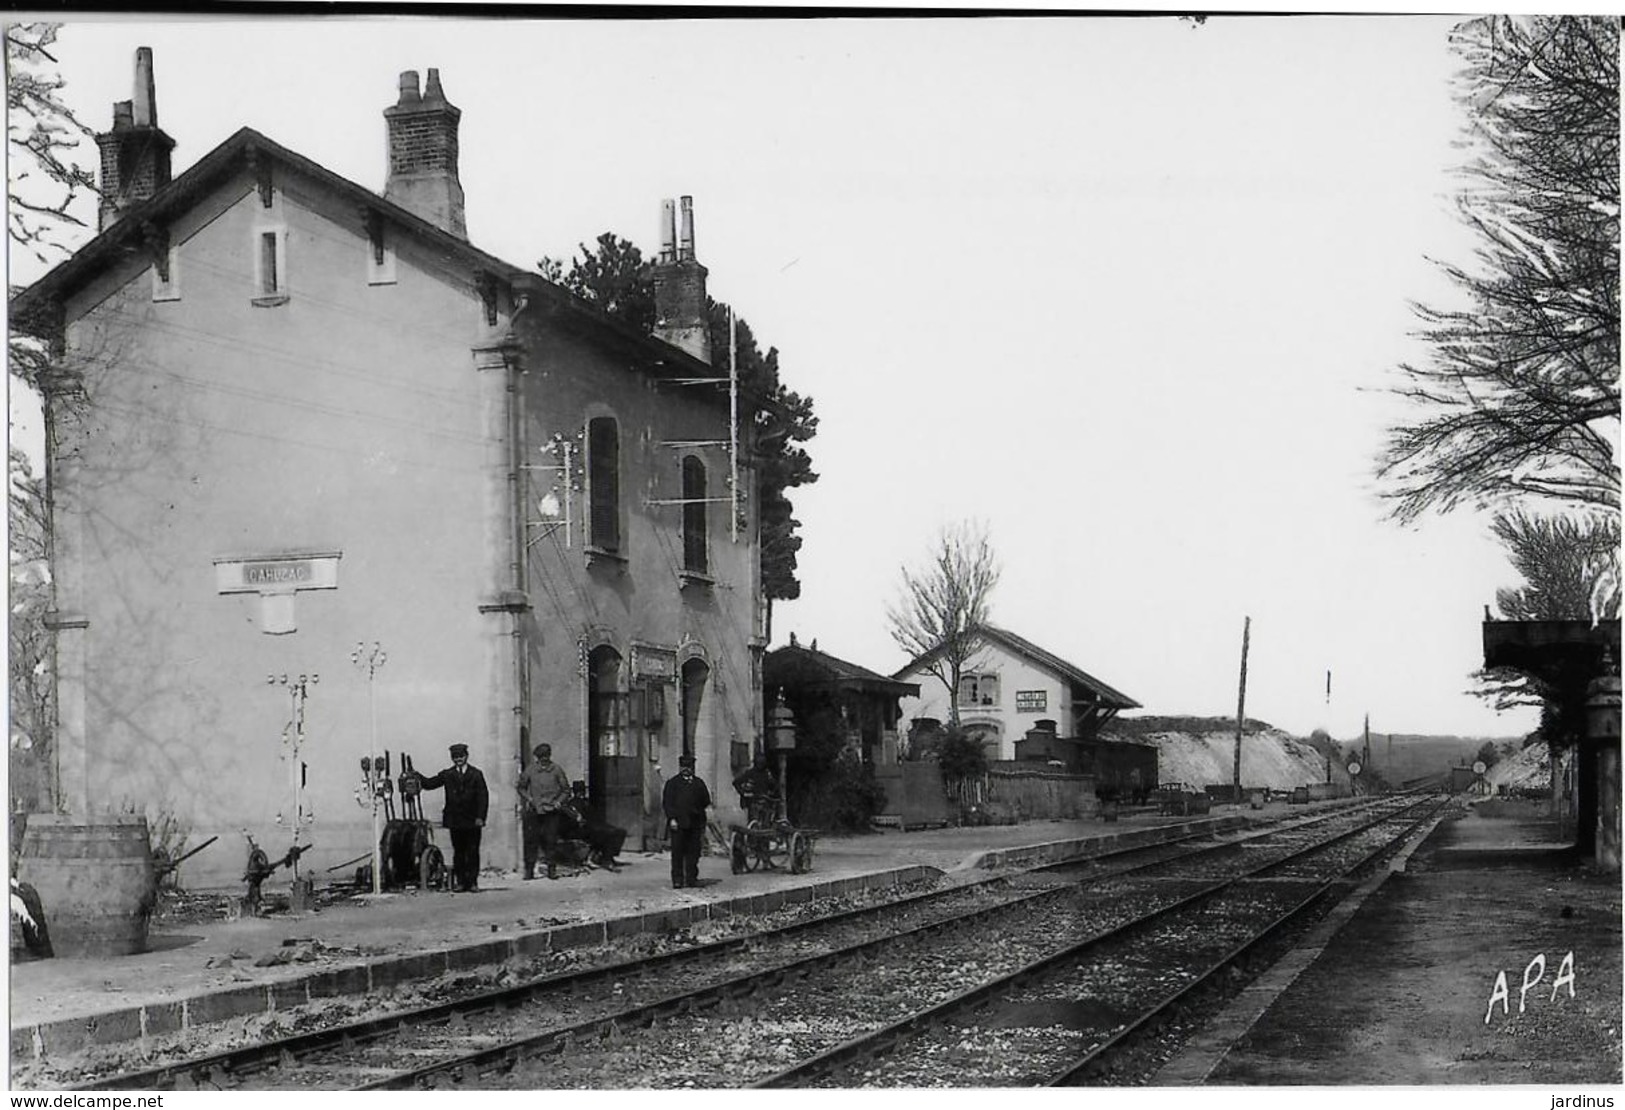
pixel 1241 699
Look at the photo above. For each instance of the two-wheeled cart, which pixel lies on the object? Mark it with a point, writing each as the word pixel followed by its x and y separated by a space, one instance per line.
pixel 769 842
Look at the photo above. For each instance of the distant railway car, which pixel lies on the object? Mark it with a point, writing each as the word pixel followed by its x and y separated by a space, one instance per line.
pixel 1122 769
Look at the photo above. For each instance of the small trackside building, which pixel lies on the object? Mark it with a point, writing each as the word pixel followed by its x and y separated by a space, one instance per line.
pixel 1007 687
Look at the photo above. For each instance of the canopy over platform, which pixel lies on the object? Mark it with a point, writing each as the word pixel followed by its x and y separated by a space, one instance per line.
pixel 1547 649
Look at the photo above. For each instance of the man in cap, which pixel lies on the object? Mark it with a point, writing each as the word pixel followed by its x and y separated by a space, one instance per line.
pixel 604 841
pixel 685 801
pixel 544 789
pixel 758 791
pixel 466 803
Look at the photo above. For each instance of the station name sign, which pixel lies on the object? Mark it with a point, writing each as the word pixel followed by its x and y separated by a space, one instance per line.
pixel 281 573
pixel 277 573
pixel 1031 701
pixel 652 661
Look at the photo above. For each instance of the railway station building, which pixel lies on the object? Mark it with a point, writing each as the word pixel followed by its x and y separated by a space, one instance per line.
pixel 1011 686
pixel 328 480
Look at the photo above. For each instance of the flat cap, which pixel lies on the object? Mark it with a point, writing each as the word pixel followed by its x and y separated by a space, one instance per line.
pixel 459 749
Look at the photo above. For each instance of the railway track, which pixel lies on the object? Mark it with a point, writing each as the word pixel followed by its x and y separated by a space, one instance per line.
pixel 595 1019
pixel 1080 1014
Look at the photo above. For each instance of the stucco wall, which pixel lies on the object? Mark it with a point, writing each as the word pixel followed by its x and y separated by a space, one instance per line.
pixel 343 420
pixel 353 419
pixel 640 605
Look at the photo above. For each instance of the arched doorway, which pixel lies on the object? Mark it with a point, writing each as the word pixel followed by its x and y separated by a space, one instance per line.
pixel 613 785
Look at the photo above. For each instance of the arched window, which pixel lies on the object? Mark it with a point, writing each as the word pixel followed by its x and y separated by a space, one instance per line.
pixel 695 557
pixel 606 702
pixel 604 483
pixel 696 673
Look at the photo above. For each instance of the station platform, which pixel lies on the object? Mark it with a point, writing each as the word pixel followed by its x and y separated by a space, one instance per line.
pixel 198 972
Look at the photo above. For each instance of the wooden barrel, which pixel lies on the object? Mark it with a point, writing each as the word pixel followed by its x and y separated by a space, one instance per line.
pixel 95 880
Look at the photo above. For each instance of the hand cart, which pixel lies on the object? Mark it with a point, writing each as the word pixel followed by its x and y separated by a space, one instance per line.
pixel 766 842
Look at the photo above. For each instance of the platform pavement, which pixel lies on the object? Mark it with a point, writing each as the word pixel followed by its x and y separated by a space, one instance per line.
pixel 1391 988
pixel 197 973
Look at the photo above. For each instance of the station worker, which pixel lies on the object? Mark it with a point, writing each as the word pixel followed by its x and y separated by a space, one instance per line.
pixel 466 803
pixel 544 791
pixel 604 841
pixel 758 789
pixel 685 800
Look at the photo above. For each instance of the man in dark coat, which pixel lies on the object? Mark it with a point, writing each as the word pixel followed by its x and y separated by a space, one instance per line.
pixel 603 839
pixel 685 801
pixel 758 791
pixel 464 815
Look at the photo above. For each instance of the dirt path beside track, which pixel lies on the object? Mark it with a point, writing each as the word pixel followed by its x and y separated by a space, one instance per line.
pixel 1401 995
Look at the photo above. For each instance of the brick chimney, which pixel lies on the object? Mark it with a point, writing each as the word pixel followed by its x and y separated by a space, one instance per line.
pixel 680 315
pixel 135 154
pixel 423 154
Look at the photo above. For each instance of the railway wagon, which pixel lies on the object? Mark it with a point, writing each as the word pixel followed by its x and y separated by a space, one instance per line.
pixel 1123 770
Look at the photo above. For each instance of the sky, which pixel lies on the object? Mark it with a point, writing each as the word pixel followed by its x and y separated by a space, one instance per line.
pixel 1128 291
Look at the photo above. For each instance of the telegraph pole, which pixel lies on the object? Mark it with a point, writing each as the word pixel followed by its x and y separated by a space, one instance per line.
pixel 1241 699
pixel 733 426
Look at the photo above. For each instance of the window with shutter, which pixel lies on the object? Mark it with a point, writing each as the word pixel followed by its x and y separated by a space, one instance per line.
pixel 604 482
pixel 694 516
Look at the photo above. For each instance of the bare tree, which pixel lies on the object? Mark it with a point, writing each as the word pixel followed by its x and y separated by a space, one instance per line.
pixel 42 137
pixel 1520 398
pixel 944 606
pixel 32 779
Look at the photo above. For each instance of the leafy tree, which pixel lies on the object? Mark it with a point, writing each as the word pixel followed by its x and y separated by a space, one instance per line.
pixel 944 606
pixel 960 754
pixel 42 136
pixel 614 276
pixel 829 785
pixel 1521 395
pixel 1570 566
pixel 1488 754
pixel 782 420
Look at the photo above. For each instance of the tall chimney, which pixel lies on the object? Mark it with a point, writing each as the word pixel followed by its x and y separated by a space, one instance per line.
pixel 146 93
pixel 668 231
pixel 135 153
pixel 423 154
pixel 680 314
pixel 685 236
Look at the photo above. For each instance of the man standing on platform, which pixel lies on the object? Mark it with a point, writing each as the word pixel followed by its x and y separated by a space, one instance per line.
pixel 464 816
pixel 544 789
pixel 685 801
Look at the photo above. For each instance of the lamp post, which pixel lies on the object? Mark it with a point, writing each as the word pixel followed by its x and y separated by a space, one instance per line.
pixel 781 738
pixel 370 660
